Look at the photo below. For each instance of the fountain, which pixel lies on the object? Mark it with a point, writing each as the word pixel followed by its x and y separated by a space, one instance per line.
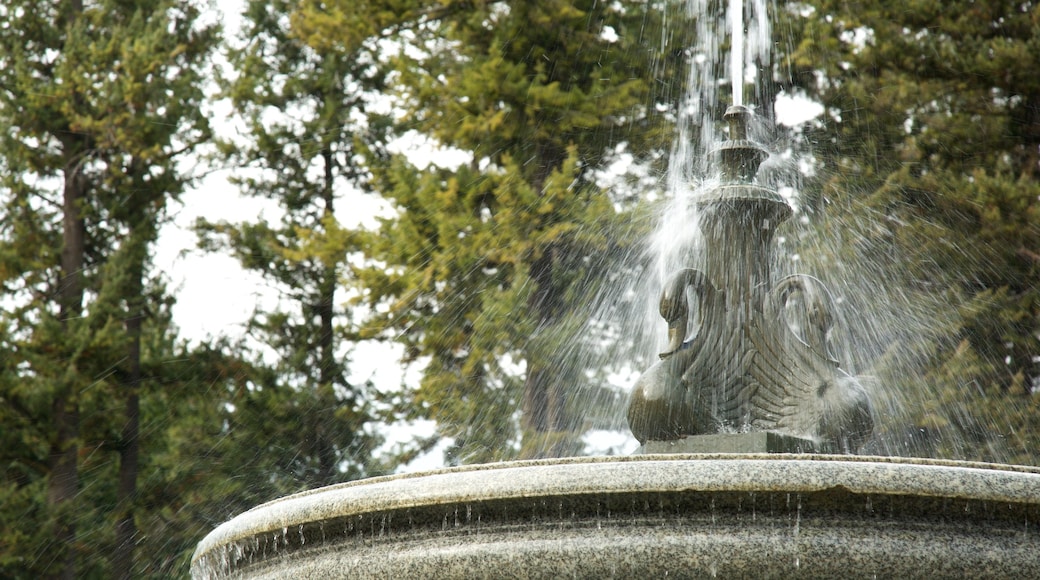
pixel 745 370
pixel 735 420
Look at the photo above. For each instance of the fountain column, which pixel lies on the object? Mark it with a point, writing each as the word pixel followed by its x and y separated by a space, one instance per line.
pixel 745 370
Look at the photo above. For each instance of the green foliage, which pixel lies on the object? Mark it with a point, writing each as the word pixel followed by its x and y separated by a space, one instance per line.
pixel 306 113
pixel 464 277
pixel 932 138
pixel 101 100
pixel 486 271
pixel 214 446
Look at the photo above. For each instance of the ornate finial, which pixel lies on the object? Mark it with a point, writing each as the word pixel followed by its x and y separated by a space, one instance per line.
pixel 739 155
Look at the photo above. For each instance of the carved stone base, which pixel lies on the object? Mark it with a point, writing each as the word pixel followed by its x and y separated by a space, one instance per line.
pixel 754 442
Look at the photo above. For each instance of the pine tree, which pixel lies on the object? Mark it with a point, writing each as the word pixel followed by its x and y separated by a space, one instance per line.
pixel 301 108
pixel 485 267
pixel 101 101
pixel 931 144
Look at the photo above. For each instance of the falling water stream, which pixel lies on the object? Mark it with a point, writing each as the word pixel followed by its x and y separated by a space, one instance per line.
pixel 736 13
pixel 878 319
pixel 676 242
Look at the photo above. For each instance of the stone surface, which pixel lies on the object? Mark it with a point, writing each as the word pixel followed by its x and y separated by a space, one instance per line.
pixel 754 442
pixel 758 515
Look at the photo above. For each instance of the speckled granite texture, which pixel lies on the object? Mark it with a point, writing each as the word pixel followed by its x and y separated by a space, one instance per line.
pixel 649 516
pixel 753 442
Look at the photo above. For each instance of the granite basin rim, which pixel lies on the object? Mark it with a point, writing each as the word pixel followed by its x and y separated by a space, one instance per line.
pixel 598 476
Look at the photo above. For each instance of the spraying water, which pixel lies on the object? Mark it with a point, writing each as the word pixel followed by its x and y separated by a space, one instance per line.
pixel 736 11
pixel 880 322
pixel 675 243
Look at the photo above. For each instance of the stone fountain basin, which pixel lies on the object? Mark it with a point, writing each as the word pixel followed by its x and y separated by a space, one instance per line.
pixel 680 515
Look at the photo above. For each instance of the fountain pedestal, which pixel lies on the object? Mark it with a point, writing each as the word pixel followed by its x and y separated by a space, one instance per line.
pixel 744 368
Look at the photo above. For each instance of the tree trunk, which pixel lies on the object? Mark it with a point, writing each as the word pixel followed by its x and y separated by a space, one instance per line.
pixel 64 449
pixel 326 346
pixel 142 228
pixel 129 450
pixel 543 400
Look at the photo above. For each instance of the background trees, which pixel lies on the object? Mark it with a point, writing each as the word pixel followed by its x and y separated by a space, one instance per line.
pixel 305 114
pixel 100 101
pixel 117 438
pixel 487 269
pixel 929 149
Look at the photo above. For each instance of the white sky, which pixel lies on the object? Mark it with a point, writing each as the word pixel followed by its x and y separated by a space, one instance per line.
pixel 214 294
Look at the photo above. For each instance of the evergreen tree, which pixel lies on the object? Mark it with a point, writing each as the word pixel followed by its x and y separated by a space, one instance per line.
pixel 486 270
pixel 305 113
pixel 930 148
pixel 101 101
